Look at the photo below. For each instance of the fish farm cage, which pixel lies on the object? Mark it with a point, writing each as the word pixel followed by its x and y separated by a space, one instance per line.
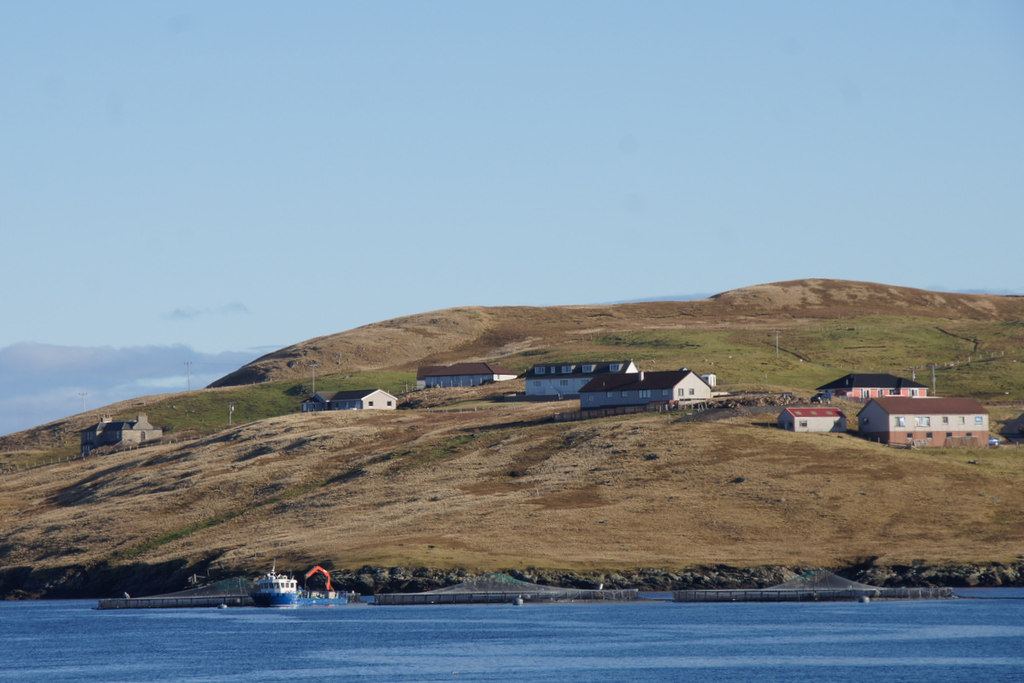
pixel 501 588
pixel 815 586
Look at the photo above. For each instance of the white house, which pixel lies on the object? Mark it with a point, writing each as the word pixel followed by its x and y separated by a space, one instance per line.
pixel 567 378
pixel 358 399
pixel 644 388
pixel 461 375
pixel 822 419
pixel 924 421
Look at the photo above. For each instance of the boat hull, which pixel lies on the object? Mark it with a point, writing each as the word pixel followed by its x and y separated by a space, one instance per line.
pixel 300 599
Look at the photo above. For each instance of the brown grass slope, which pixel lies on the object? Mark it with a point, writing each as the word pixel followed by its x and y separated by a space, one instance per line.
pixel 466 479
pixel 503 487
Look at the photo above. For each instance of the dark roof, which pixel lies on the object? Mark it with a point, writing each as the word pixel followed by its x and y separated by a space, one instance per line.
pixel 871 381
pixel 555 369
pixel 663 379
pixel 329 396
pixel 111 426
pixel 458 369
pixel 927 406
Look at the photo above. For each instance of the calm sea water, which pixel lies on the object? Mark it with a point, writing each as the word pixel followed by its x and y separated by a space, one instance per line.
pixel 955 640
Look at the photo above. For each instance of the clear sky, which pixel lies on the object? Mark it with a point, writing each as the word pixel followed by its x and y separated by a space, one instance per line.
pixel 206 181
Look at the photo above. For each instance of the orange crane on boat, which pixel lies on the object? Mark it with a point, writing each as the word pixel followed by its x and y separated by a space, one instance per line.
pixel 323 571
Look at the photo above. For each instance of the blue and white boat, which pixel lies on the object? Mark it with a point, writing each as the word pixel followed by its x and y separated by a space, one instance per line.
pixel 279 590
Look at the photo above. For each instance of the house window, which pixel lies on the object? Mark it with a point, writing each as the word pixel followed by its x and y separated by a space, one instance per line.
pixel 564 382
pixel 666 392
pixel 566 369
pixel 691 391
pixel 389 403
pixel 949 435
pixel 645 393
pixel 803 423
pixel 588 368
pixel 945 420
pixel 682 392
pixel 923 421
pixel 865 393
pixel 371 403
pixel 625 394
pixel 892 392
pixel 614 367
pixel 611 394
pixel 913 393
pixel 928 435
pixel 977 419
pixel 969 435
pixel 540 369
pixel 910 436
pixel 899 421
pixel 961 419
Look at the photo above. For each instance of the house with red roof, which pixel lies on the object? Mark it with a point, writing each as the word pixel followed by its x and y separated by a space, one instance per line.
pixel 943 422
pixel 816 419
pixel 461 375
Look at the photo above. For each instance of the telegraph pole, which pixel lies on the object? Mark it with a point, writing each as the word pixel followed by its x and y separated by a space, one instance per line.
pixel 188 375
pixel 83 394
pixel 776 343
pixel 313 364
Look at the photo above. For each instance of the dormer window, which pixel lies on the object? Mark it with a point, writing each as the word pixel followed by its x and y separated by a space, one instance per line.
pixel 540 369
pixel 614 367
pixel 566 368
pixel 588 368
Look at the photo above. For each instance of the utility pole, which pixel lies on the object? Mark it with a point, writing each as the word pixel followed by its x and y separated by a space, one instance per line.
pixel 776 343
pixel 188 375
pixel 83 394
pixel 933 379
pixel 313 364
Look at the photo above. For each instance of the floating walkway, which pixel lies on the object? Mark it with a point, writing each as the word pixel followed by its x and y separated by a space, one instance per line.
pixel 170 601
pixel 502 588
pixel 814 586
pixel 229 592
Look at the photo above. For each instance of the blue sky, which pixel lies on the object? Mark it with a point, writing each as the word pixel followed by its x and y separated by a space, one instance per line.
pixel 203 182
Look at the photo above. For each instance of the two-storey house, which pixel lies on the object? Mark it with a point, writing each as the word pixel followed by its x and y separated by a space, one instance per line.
pixel 924 421
pixel 567 378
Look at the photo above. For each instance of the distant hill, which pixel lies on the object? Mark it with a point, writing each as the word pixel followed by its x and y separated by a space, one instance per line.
pixel 478 333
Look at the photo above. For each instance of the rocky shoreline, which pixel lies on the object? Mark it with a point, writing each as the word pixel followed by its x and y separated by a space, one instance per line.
pixel 144 579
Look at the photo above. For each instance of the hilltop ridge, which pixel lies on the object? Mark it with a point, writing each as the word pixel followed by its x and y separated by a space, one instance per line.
pixel 477 333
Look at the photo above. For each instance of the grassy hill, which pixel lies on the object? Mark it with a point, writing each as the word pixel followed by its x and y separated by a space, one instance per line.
pixel 464 478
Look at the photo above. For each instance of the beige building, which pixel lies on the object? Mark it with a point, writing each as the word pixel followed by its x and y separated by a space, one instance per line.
pixel 813 420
